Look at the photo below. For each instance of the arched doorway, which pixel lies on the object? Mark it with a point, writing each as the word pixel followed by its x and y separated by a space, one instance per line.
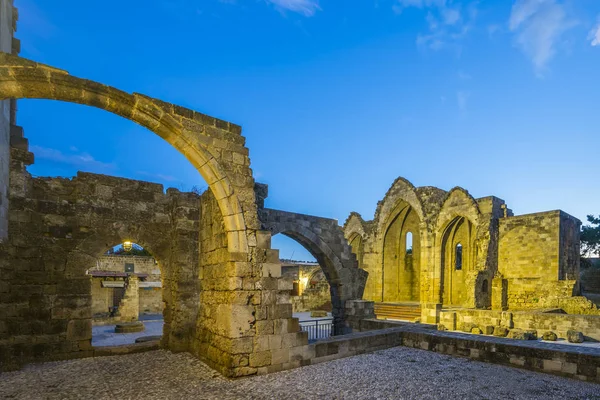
pixel 126 286
pixel 401 256
pixel 457 260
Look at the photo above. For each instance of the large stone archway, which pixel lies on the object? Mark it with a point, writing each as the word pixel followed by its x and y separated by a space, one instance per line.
pixel 203 140
pixel 325 240
pixel 228 305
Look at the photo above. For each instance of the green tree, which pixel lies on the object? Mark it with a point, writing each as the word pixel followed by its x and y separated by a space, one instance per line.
pixel 590 237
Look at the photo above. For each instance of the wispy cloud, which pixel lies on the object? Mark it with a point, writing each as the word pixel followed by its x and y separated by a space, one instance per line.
pixel 462 97
pixel 308 8
pixel 77 159
pixel 594 35
pixel 538 26
pixel 448 22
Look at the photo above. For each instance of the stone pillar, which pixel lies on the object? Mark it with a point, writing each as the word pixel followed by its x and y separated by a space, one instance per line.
pixel 356 311
pixel 499 293
pixel 129 307
pixel 430 313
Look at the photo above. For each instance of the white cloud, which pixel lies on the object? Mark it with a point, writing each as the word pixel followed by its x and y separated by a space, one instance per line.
pixel 448 22
pixel 594 35
pixel 539 25
pixel 308 8
pixel 79 160
pixel 462 98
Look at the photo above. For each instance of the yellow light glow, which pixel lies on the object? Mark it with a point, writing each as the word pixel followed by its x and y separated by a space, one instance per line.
pixel 127 245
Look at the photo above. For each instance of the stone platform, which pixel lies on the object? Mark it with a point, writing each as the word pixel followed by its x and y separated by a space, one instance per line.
pixel 129 327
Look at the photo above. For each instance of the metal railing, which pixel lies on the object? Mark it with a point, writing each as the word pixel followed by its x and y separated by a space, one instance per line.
pixel 317 329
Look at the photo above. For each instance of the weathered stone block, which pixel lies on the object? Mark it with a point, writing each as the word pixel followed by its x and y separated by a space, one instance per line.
pixel 260 359
pixel 575 336
pixel 500 331
pixel 549 335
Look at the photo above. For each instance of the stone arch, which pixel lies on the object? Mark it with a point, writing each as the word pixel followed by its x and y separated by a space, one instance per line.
pixel 400 191
pixel 89 249
pixel 457 259
pixel 459 208
pixel 357 245
pixel 22 79
pixel 324 239
pixel 401 268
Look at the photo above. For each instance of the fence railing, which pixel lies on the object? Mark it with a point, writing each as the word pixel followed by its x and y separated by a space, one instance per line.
pixel 317 329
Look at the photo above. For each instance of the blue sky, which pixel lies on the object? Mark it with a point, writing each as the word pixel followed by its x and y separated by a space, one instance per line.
pixel 336 98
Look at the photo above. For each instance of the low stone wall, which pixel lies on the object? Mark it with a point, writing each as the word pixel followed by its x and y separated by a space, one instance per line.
pixel 570 361
pixel 589 325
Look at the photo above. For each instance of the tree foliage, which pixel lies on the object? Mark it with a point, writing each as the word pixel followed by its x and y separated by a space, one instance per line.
pixel 590 237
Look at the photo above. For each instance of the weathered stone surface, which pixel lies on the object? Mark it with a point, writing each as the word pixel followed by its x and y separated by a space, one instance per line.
pixel 318 313
pixel 145 339
pixel 520 335
pixel 549 335
pixel 489 329
pixel 500 331
pixel 476 331
pixel 481 245
pixel 325 239
pixel 129 327
pixel 575 337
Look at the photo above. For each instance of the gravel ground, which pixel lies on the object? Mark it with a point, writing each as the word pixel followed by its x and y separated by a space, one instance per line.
pixel 397 373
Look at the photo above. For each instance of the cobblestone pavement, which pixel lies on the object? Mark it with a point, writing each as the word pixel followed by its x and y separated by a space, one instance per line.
pixel 397 373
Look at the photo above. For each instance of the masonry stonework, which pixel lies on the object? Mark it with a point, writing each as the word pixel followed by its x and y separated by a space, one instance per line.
pixel 467 253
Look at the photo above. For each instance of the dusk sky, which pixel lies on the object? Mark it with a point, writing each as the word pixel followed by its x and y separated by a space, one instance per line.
pixel 336 98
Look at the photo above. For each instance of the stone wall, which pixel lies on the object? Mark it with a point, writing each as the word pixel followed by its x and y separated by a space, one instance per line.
pixel 8 17
pixel 58 228
pixel 142 265
pixel 538 255
pixel 467 252
pixel 541 321
pixel 151 300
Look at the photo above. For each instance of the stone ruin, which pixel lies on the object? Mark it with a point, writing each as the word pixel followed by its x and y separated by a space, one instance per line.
pixel 224 299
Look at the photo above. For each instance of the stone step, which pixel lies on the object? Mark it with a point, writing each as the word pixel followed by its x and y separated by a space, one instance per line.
pixel 401 311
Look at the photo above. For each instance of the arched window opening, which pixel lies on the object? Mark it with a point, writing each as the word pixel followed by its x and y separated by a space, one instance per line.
pixel 484 286
pixel 458 257
pixel 311 293
pixel 409 243
pixel 126 285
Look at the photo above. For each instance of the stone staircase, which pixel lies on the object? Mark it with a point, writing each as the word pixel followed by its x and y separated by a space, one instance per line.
pixel 399 311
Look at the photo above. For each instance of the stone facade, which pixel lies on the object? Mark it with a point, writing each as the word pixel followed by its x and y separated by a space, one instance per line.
pixel 58 229
pixel 447 249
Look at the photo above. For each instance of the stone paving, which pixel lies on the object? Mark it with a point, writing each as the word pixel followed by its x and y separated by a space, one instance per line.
pixel 104 335
pixel 397 373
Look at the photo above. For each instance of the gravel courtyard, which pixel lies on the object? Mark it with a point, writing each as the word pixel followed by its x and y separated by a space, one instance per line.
pixel 397 373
